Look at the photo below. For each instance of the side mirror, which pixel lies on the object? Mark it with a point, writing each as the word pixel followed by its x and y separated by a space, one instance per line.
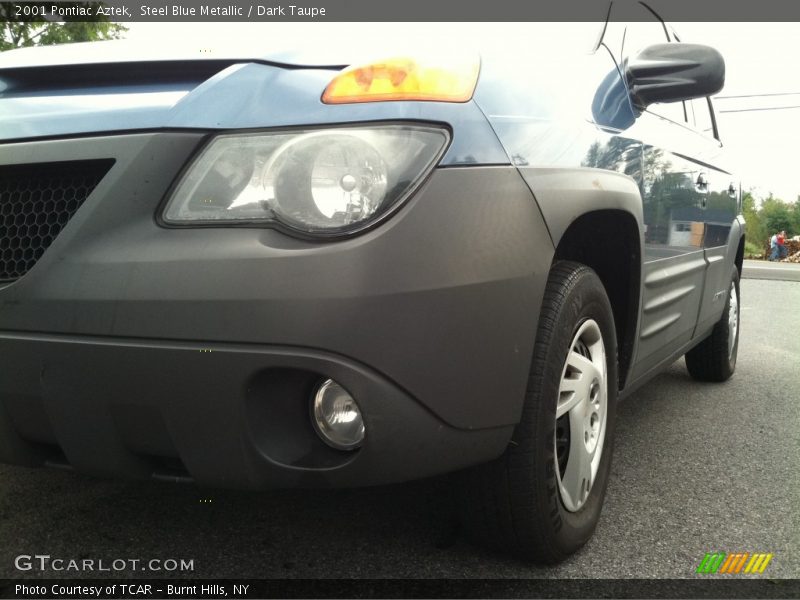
pixel 673 72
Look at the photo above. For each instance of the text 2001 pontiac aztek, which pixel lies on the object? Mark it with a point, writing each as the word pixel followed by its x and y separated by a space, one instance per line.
pixel 300 269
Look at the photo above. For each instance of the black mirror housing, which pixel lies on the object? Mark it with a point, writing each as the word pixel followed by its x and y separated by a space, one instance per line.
pixel 674 72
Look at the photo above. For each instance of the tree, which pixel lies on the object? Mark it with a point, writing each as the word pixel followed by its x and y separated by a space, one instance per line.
pixel 776 215
pixel 796 217
pixel 21 32
pixel 755 231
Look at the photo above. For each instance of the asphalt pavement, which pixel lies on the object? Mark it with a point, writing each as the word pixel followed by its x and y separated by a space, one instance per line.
pixel 764 269
pixel 697 468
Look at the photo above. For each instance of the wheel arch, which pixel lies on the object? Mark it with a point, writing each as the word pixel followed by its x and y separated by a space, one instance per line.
pixel 608 241
pixel 739 257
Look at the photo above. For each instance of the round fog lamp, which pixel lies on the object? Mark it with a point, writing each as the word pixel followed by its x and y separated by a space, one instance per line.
pixel 336 417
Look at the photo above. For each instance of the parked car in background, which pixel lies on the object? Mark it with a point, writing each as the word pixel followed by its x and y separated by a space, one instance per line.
pixel 295 268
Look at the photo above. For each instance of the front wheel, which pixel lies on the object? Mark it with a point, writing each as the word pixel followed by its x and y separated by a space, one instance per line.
pixel 542 499
pixel 714 359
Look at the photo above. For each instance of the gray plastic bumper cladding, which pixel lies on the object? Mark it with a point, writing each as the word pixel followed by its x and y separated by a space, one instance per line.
pixel 131 349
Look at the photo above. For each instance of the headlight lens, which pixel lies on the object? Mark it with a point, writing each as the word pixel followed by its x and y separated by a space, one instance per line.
pixel 336 417
pixel 318 182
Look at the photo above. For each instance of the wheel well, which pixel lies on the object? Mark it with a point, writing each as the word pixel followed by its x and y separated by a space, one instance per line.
pixel 738 261
pixel 608 242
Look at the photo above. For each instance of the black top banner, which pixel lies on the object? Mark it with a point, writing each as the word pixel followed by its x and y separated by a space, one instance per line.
pixel 399 11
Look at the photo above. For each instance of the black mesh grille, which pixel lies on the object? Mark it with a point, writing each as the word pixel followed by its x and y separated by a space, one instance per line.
pixel 36 202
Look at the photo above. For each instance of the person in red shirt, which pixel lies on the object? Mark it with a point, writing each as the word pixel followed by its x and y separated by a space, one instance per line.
pixel 782 252
pixel 777 246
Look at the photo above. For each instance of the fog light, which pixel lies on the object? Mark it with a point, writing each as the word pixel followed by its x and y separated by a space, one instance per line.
pixel 336 417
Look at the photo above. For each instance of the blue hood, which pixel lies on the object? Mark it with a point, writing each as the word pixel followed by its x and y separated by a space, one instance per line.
pixel 112 86
pixel 123 51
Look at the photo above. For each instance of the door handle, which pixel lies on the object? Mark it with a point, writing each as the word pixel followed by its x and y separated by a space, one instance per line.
pixel 701 185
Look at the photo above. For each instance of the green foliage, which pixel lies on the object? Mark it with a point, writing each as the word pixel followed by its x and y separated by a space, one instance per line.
pixel 777 216
pixel 753 250
pixel 763 222
pixel 796 217
pixel 755 231
pixel 36 31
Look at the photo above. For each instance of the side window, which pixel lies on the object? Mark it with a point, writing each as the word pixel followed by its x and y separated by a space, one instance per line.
pixel 700 116
pixel 674 111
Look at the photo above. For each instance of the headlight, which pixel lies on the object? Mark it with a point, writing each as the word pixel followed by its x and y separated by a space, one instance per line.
pixel 323 182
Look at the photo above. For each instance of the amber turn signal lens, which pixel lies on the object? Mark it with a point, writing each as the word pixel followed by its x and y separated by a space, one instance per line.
pixel 405 79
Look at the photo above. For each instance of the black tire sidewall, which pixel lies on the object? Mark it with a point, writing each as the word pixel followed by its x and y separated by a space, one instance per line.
pixel 734 355
pixel 711 360
pixel 586 299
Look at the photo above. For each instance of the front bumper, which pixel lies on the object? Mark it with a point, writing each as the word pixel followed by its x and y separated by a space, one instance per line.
pixel 222 415
pixel 429 320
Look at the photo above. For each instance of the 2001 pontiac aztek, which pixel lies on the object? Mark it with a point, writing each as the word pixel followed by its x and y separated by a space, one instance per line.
pixel 303 270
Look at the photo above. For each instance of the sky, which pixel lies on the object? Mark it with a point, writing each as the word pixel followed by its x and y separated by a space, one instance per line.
pixel 760 58
pixel 759 131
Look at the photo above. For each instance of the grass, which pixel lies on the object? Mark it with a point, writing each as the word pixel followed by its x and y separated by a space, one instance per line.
pixel 751 250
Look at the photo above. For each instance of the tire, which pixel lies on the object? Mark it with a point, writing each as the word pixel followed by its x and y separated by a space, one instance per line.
pixel 528 502
pixel 714 359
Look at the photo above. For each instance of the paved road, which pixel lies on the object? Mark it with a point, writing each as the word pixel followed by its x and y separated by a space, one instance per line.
pixel 697 467
pixel 763 269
